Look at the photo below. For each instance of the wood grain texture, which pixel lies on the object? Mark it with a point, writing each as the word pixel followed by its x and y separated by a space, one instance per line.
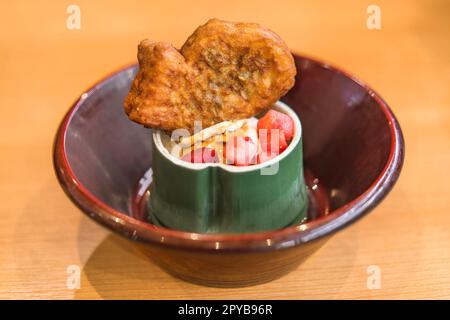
pixel 44 67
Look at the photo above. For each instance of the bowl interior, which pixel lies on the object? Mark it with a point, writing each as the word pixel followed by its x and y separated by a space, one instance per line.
pixel 347 136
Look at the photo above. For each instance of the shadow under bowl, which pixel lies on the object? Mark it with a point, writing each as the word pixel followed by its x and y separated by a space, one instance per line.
pixel 353 153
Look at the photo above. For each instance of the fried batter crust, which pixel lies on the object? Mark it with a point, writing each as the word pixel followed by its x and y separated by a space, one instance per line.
pixel 224 71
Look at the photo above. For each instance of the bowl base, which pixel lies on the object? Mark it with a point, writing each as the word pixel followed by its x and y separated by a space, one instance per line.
pixel 318 201
pixel 229 270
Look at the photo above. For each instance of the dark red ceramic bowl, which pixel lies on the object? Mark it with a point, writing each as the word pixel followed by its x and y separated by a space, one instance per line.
pixel 353 151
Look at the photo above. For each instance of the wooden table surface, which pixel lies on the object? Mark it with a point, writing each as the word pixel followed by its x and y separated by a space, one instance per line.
pixel 44 67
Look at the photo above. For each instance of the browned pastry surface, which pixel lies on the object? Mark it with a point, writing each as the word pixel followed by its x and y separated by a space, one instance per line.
pixel 224 71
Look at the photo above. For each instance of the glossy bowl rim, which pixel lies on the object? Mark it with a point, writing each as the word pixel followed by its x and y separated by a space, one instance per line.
pixel 156 136
pixel 261 241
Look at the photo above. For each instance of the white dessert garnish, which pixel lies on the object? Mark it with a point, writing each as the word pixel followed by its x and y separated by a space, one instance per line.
pixel 214 137
pixel 205 134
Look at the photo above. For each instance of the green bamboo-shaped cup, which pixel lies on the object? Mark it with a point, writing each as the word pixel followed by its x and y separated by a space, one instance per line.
pixel 221 198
